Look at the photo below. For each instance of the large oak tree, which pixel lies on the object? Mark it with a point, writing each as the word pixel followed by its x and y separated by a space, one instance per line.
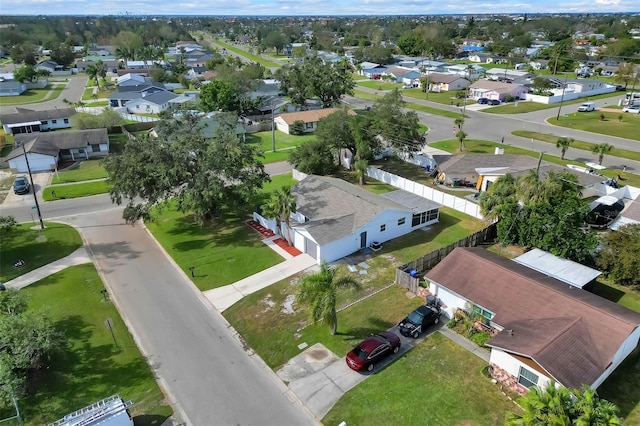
pixel 202 176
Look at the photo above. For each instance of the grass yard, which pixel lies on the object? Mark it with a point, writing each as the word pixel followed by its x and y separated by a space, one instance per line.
pixel 445 98
pixel 89 367
pixel 578 144
pixel 628 128
pixel 436 383
pixel 75 190
pixel 284 144
pixel 522 106
pixel 36 247
pixel 487 147
pixel 87 170
pixel 255 58
pixel 378 84
pixel 410 105
pixel 222 252
pixel 275 335
pixel 31 96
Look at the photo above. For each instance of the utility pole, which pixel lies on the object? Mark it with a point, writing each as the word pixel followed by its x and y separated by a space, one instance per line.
pixel 564 87
pixel 35 198
pixel 273 127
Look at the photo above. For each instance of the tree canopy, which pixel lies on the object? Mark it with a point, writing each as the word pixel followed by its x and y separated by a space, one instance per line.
pixel 107 119
pixel 619 255
pixel 313 157
pixel 27 338
pixel 397 127
pixel 312 78
pixel 202 176
pixel 545 213
pixel 219 95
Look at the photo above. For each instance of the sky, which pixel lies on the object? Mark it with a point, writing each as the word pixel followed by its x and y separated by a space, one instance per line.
pixel 309 7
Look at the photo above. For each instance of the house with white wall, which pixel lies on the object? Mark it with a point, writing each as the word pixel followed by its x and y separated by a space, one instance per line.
pixel 45 150
pixel 542 329
pixel 335 218
pixel 29 121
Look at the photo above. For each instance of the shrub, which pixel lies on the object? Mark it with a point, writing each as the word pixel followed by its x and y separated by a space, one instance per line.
pixel 602 117
pixel 7 222
pixel 297 127
pixel 480 338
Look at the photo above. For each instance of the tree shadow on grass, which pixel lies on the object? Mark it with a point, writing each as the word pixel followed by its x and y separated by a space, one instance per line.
pixel 81 373
pixel 149 420
pixel 623 386
pixel 375 325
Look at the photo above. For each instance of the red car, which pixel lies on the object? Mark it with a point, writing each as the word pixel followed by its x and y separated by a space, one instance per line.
pixel 373 349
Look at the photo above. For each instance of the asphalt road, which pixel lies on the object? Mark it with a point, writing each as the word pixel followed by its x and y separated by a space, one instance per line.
pixel 192 350
pixel 72 92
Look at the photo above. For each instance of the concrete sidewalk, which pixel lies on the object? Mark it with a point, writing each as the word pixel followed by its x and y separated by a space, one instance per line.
pixel 466 343
pixel 224 297
pixel 78 257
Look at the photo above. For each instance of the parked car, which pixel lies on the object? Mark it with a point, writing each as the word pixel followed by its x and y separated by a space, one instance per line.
pixel 483 101
pixel 418 320
pixel 373 349
pixel 21 185
pixel 632 108
pixel 494 102
pixel 587 106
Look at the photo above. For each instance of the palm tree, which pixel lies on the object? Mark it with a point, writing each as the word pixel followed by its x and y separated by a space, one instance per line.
pixel 319 290
pixel 361 170
pixel 591 410
pixel 601 150
pixel 92 73
pixel 279 207
pixel 499 199
pixel 459 122
pixel 461 135
pixel 563 143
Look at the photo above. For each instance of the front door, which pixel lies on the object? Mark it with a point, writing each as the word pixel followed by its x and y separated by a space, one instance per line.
pixel 363 239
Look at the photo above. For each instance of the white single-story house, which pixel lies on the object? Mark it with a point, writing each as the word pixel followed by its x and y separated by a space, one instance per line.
pixel 11 87
pixel 447 82
pixel 507 74
pixel 497 90
pixel 402 75
pixel 45 150
pixel 154 103
pixel 471 71
pixel 309 119
pixel 335 218
pixel 29 121
pixel 542 329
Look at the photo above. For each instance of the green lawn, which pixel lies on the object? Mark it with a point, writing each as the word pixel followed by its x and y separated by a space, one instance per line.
pixel 264 62
pixel 436 383
pixel 274 335
pixel 379 84
pixel 284 144
pixel 222 252
pixel 87 95
pixel 628 128
pixel 36 247
pixel 31 96
pixel 446 98
pixel 89 367
pixel 87 170
pixel 577 144
pixel 522 107
pixel 429 110
pixel 487 147
pixel 75 190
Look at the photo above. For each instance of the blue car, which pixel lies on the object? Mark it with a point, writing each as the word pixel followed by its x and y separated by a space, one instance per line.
pixel 483 101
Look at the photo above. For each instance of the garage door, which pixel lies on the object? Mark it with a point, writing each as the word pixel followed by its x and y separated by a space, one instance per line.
pixel 311 248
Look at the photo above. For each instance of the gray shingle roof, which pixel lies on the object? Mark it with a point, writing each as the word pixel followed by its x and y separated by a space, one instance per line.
pixel 411 201
pixel 336 208
pixel 26 115
pixel 160 98
pixel 51 143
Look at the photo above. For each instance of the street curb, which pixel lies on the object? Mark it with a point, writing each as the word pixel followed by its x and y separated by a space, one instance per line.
pixel 288 393
pixel 164 386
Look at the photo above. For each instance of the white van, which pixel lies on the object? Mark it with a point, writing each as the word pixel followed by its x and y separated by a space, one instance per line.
pixel 587 106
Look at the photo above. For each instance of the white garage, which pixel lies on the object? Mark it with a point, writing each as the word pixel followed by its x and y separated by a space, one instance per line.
pixel 41 159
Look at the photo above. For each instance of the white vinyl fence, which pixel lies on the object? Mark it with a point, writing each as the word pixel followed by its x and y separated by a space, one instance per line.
pixel 456 203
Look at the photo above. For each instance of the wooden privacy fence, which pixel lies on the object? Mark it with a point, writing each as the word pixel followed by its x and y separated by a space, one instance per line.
pixel 408 275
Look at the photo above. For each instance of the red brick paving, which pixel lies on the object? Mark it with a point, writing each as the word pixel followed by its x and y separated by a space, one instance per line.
pixel 284 245
pixel 265 232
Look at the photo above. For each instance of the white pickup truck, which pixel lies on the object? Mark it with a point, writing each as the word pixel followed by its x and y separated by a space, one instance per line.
pixel 587 106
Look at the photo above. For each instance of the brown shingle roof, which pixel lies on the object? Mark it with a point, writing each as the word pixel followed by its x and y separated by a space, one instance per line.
pixel 571 333
pixel 633 210
pixel 311 116
pixel 444 78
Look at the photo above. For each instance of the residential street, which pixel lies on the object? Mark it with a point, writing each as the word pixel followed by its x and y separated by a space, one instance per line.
pixel 72 92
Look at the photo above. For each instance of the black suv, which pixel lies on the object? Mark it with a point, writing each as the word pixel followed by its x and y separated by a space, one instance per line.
pixel 418 320
pixel 21 185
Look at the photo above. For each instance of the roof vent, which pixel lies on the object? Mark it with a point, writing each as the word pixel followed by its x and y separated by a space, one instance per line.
pixel 510 331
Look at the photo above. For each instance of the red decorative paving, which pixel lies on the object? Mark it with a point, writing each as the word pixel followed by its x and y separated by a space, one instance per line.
pixel 265 232
pixel 284 245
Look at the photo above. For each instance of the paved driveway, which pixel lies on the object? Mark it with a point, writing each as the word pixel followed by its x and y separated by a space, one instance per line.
pixel 40 180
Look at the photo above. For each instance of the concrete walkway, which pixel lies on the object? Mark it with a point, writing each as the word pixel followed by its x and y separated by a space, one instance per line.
pixel 466 344
pixel 224 297
pixel 78 257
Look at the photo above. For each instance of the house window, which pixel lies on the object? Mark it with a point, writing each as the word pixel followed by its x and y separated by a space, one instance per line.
pixel 54 121
pixel 66 121
pixel 424 217
pixel 383 228
pixel 308 125
pixel 527 378
pixel 401 221
pixel 44 122
pixel 95 147
pixel 486 315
